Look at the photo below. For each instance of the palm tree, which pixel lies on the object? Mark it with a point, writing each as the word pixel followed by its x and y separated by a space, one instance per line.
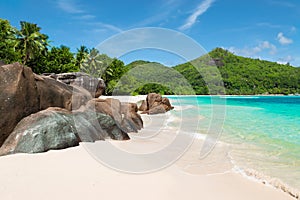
pixel 96 64
pixel 30 41
pixel 81 55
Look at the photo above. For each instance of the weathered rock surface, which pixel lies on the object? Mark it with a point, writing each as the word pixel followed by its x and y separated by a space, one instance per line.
pixel 124 114
pixel 132 121
pixel 40 132
pixel 57 128
pixel 155 104
pixel 111 107
pixel 18 97
pixel 53 93
pixel 95 86
pixel 92 126
pixel 22 93
pixel 143 106
pixel 39 113
pixel 2 63
pixel 166 104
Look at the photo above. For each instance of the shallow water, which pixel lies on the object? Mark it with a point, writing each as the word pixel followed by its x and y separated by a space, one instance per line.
pixel 263 131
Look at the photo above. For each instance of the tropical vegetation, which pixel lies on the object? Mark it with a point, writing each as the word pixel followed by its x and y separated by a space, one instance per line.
pixel 241 75
pixel 218 72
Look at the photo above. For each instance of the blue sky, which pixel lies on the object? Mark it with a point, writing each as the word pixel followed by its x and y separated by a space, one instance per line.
pixel 266 29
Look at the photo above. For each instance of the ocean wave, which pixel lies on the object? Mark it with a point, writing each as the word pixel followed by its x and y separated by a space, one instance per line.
pixel 267 180
pixel 185 107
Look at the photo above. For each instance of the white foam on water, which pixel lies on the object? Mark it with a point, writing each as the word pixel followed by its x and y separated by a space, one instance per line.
pixel 260 177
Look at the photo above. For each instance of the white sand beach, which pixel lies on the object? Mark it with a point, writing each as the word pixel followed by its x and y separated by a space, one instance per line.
pixel 75 174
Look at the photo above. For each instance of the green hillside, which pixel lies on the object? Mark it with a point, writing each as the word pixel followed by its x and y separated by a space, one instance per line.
pixel 143 77
pixel 218 72
pixel 240 75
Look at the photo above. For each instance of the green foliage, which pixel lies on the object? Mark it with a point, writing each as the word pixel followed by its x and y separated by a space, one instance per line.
pixel 60 60
pixel 240 75
pixel 31 42
pixel 100 65
pixel 8 42
pixel 81 55
pixel 136 64
pixel 114 72
pixel 153 87
pixel 208 74
pixel 29 46
pixel 143 77
pixel 96 64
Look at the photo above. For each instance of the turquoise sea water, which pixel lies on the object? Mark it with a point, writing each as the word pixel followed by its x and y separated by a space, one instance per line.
pixel 262 131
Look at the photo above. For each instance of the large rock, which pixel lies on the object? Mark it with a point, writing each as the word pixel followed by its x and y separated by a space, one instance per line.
pixel 111 107
pixel 143 106
pixel 53 93
pixel 156 110
pixel 132 121
pixel 124 114
pixel 22 93
pixel 18 97
pixel 155 104
pixel 42 131
pixel 165 102
pixel 95 86
pixel 2 63
pixel 57 128
pixel 30 124
pixel 92 125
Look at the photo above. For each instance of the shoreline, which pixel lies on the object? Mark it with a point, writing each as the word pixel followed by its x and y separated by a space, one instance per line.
pixel 74 173
pixel 250 174
pixel 274 183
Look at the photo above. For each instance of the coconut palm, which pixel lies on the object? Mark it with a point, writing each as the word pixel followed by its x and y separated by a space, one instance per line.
pixel 30 41
pixel 96 64
pixel 81 55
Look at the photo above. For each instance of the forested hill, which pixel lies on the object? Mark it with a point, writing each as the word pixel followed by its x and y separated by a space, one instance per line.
pixel 242 75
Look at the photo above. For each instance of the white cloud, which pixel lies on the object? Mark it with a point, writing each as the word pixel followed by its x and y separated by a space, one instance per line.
pixel 69 6
pixel 155 18
pixel 201 9
pixel 269 46
pixel 286 59
pixel 283 40
pixel 269 25
pixel 161 15
pixel 253 51
pixel 86 17
pixel 106 26
pixel 72 7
